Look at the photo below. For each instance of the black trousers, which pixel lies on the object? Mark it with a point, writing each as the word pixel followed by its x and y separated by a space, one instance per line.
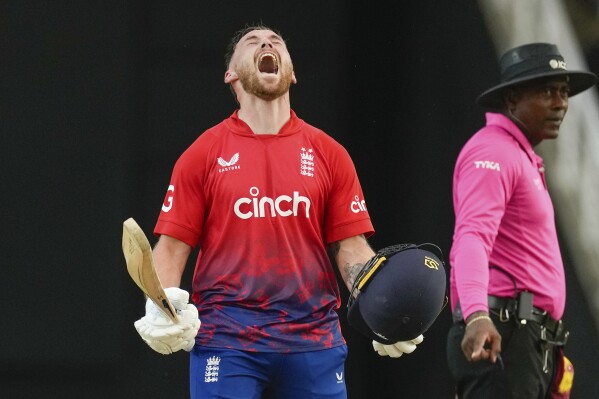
pixel 522 374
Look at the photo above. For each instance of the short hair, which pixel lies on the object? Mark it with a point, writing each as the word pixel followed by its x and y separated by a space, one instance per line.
pixel 241 33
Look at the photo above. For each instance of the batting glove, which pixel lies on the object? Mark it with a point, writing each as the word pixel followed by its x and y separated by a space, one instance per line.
pixel 398 348
pixel 160 333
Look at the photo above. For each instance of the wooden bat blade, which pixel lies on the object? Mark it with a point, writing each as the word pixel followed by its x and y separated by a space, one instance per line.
pixel 140 265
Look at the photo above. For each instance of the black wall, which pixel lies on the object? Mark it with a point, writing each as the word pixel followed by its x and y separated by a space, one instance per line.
pixel 97 101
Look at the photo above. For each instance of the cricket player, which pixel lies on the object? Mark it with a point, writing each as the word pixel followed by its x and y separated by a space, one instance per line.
pixel 267 198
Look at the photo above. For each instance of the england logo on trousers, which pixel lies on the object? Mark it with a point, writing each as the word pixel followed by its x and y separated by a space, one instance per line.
pixel 212 367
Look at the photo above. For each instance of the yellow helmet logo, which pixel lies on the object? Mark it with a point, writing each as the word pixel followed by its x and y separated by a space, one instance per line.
pixel 431 263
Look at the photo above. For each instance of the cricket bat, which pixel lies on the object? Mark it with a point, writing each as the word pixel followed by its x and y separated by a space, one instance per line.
pixel 140 265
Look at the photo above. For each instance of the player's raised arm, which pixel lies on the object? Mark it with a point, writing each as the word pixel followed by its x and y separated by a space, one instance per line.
pixel 171 322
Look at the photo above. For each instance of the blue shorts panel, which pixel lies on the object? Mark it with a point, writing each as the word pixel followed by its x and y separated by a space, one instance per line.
pixel 235 374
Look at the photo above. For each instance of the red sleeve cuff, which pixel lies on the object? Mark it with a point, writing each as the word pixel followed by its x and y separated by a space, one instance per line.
pixel 174 230
pixel 352 229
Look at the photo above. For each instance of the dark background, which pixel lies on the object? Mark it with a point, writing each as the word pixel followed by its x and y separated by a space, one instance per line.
pixel 97 101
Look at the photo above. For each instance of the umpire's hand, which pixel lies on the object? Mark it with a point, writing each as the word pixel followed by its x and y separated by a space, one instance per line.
pixel 481 339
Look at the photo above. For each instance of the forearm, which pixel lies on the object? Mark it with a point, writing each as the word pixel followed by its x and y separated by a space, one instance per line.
pixel 170 258
pixel 351 254
pixel 472 275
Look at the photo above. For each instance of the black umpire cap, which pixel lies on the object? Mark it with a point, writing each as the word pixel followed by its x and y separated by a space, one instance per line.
pixel 402 291
pixel 530 62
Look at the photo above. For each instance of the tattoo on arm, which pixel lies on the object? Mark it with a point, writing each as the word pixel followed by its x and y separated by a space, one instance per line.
pixel 352 272
pixel 351 258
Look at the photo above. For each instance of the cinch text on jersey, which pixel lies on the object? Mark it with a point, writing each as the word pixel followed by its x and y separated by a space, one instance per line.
pixel 283 205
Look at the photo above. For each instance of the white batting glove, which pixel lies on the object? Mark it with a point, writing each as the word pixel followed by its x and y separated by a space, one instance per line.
pixel 160 333
pixel 398 348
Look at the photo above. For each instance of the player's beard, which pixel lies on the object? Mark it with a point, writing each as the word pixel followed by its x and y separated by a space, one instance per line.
pixel 251 82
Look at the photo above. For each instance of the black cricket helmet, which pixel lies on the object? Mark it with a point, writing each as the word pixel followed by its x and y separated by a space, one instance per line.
pixel 400 293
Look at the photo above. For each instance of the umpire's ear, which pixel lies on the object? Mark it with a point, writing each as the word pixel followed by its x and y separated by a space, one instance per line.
pixel 511 97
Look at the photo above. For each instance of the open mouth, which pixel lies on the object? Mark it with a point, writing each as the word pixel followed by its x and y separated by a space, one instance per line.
pixel 267 63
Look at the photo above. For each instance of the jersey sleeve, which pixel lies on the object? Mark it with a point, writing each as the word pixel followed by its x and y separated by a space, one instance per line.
pixel 182 213
pixel 346 213
pixel 484 181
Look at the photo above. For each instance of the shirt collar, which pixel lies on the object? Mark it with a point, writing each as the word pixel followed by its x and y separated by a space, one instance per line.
pixel 240 127
pixel 506 124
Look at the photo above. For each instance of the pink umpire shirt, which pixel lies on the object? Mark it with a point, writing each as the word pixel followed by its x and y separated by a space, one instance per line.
pixel 505 239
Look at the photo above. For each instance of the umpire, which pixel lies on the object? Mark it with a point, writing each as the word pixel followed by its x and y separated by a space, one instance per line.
pixel 507 282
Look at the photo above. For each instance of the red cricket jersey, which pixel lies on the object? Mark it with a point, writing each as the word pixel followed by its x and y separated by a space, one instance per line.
pixel 263 208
